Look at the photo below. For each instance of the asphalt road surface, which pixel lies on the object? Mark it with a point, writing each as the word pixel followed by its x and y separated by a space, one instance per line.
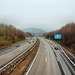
pixel 66 65
pixel 45 63
pixel 12 54
pixel 49 61
pixel 9 49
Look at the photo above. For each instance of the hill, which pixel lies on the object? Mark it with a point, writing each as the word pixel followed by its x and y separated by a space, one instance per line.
pixel 68 35
pixel 10 35
pixel 34 30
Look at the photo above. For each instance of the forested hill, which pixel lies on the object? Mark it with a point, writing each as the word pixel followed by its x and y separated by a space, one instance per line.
pixel 68 35
pixel 9 35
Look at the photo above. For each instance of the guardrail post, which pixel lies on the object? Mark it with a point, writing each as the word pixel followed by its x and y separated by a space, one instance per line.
pixel 0 72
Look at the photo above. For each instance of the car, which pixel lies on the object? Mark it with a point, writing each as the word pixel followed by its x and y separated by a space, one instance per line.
pixel 56 48
pixel 17 45
pixel 32 41
pixel 29 42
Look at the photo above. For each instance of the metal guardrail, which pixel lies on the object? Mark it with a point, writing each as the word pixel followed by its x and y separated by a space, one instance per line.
pixel 66 47
pixel 64 56
pixel 16 61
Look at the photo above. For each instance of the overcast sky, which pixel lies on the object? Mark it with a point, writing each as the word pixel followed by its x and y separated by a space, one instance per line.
pixel 43 14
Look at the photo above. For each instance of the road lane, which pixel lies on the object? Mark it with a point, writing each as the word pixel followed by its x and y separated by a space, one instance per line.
pixel 10 55
pixel 67 67
pixel 69 54
pixel 11 48
pixel 4 51
pixel 45 63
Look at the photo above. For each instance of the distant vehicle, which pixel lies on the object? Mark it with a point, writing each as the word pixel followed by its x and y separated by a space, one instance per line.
pixel 29 42
pixel 32 41
pixel 17 45
pixel 56 48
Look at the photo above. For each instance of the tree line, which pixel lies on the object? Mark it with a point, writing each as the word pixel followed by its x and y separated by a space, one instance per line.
pixel 9 34
pixel 68 35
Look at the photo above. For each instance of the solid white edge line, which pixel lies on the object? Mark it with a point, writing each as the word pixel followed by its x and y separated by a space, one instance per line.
pixel 15 58
pixel 33 61
pixel 45 59
pixel 67 56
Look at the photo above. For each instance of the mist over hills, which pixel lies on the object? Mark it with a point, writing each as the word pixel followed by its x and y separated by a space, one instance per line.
pixel 34 30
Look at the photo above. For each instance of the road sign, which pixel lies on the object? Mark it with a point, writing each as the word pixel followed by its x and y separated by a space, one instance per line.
pixel 57 36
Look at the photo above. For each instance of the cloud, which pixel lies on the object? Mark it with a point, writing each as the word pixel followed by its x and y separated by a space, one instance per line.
pixel 44 14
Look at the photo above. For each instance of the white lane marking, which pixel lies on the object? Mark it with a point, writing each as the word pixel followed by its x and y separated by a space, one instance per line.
pixel 45 59
pixel 15 58
pixel 33 61
pixel 67 56
pixel 45 48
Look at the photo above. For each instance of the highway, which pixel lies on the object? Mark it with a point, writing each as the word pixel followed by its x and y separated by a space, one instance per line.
pixel 65 63
pixel 9 49
pixel 45 62
pixel 6 50
pixel 49 61
pixel 5 58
